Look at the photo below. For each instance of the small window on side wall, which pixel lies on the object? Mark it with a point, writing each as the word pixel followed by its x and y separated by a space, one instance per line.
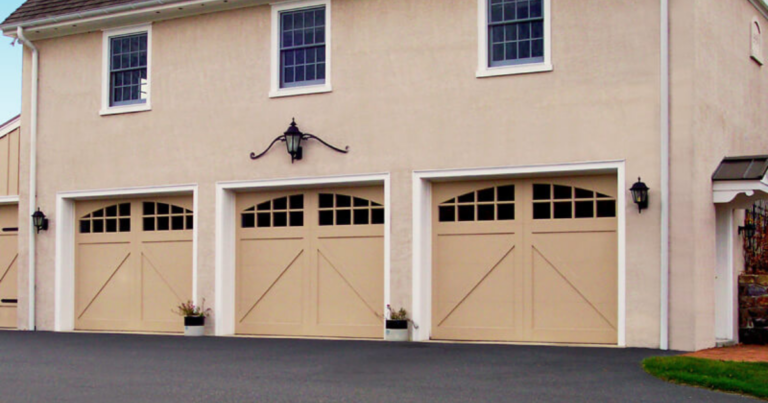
pixel 127 63
pixel 514 37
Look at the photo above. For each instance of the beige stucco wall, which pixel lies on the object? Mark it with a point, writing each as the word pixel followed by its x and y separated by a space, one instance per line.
pixel 405 98
pixel 719 109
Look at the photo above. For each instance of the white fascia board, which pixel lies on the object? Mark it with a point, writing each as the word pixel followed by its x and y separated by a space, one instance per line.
pixel 10 126
pixel 727 191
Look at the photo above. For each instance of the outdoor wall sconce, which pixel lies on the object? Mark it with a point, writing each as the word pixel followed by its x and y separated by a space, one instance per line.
pixel 292 138
pixel 748 231
pixel 39 221
pixel 640 195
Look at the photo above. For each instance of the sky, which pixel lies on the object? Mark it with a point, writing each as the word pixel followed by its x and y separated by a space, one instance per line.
pixel 10 68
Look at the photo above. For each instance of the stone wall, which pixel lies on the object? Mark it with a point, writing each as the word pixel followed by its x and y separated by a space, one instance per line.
pixel 753 308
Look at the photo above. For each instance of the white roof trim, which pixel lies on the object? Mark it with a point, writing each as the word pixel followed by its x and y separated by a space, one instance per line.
pixel 10 126
pixel 727 191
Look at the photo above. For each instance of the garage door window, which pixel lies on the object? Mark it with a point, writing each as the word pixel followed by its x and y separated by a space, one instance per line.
pixel 116 218
pixel 559 202
pixel 491 204
pixel 281 212
pixel 339 209
pixel 166 217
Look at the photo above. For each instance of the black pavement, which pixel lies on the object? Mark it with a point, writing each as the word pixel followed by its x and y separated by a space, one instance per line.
pixel 68 367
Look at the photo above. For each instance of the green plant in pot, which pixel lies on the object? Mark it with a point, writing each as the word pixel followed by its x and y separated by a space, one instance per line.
pixel 194 317
pixel 397 328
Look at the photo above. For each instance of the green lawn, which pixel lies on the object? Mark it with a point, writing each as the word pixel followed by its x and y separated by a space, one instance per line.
pixel 746 378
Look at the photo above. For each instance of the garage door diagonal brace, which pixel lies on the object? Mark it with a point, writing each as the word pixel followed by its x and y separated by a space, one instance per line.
pixel 380 316
pixel 282 273
pixel 8 269
pixel 104 285
pixel 168 284
pixel 471 290
pixel 574 287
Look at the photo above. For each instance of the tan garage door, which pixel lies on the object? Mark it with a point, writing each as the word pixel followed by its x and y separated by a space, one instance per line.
pixel 311 263
pixel 133 263
pixel 531 260
pixel 9 255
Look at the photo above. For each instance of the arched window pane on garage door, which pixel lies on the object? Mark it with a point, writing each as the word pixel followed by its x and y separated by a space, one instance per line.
pixel 340 209
pixel 552 201
pixel 166 217
pixel 115 218
pixel 490 204
pixel 285 211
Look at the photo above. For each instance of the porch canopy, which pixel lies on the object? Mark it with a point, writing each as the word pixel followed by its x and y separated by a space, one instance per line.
pixel 741 180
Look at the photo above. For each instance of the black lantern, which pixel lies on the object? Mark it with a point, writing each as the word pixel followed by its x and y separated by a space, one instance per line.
pixel 293 138
pixel 39 221
pixel 748 231
pixel 640 195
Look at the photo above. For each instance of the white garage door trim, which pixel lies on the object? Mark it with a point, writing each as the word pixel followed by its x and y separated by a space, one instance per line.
pixel 64 224
pixel 224 307
pixel 422 228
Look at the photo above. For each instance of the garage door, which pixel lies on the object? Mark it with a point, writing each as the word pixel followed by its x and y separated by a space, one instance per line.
pixel 311 263
pixel 9 255
pixel 133 263
pixel 531 260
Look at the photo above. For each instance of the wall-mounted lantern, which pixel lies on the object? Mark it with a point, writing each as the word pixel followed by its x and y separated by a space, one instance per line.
pixel 748 231
pixel 39 221
pixel 640 195
pixel 293 138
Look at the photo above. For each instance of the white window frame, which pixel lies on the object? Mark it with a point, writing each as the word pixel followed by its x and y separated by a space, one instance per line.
pixel 485 70
pixel 277 8
pixel 106 109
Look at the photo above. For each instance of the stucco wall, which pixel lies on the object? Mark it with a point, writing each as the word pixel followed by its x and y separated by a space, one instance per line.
pixel 405 98
pixel 719 109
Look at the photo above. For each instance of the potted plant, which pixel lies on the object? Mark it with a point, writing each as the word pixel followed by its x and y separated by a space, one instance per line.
pixel 194 318
pixel 397 325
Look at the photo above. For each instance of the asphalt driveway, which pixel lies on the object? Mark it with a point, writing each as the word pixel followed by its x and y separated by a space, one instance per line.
pixel 59 367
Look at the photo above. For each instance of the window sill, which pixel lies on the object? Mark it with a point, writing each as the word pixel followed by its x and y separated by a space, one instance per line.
pixel 116 110
pixel 310 89
pixel 512 70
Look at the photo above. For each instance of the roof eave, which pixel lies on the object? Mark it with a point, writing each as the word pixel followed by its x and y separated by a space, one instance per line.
pixel 145 11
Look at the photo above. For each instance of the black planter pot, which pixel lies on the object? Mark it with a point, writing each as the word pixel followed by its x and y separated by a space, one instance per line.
pixel 397 324
pixel 194 321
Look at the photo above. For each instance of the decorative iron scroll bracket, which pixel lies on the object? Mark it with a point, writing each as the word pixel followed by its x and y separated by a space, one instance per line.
pixel 293 138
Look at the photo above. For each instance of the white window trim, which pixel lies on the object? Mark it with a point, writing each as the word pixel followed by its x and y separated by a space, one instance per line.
pixel 485 70
pixel 107 34
pixel 277 8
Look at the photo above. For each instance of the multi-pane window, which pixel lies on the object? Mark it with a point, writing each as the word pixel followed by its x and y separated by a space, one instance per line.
pixel 128 69
pixel 566 202
pixel 491 204
pixel 302 47
pixel 116 218
pixel 339 209
pixel 281 212
pixel 166 217
pixel 515 32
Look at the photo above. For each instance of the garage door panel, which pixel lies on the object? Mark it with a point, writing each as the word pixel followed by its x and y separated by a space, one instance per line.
pixel 315 254
pixel 359 262
pixel 165 281
pixel 280 309
pixel 339 303
pixel 560 300
pixel 133 263
pixel 559 282
pixel 9 244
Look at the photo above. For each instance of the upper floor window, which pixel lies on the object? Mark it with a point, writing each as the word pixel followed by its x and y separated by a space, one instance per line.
pixel 126 70
pixel 514 37
pixel 302 47
pixel 301 42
